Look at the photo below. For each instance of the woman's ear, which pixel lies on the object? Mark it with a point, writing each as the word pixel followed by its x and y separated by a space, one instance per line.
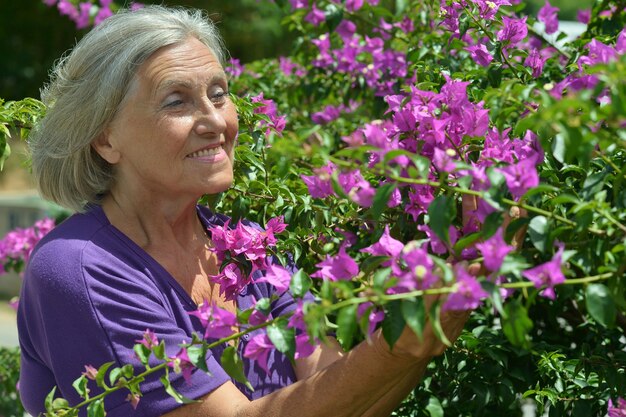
pixel 103 145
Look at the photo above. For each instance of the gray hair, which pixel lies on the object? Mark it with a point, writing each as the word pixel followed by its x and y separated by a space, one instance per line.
pixel 86 89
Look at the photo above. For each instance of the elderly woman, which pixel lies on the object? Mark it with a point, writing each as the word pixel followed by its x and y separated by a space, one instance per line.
pixel 140 125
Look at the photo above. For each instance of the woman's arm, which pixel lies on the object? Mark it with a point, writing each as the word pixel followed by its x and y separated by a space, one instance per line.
pixel 369 380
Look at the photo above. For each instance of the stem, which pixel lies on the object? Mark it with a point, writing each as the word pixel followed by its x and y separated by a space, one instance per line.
pixel 503 52
pixel 163 365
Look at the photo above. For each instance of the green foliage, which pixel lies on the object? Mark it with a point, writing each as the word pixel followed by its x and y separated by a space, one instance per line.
pixel 10 406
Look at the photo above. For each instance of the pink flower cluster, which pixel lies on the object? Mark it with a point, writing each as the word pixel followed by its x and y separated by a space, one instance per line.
pixel 86 10
pixel 17 245
pixel 330 112
pixel 244 250
pixel 267 107
pixel 361 57
pixel 617 410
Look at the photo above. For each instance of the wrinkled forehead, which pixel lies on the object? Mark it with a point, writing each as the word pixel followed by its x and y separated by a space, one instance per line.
pixel 189 60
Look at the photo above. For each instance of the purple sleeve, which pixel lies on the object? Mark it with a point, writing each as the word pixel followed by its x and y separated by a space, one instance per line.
pixel 82 305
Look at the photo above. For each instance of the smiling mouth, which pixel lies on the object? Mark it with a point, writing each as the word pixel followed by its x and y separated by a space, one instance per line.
pixel 206 152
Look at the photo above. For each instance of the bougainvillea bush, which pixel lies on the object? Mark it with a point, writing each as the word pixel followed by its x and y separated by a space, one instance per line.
pixel 400 143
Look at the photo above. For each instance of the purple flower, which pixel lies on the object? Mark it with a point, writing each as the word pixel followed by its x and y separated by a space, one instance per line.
pixel 319 185
pixel 231 281
pixel 19 243
pixel 149 339
pixel 136 6
pixel 315 16
pixel 217 322
pixel 304 347
pixel 90 372
pixel 444 160
pixel 468 294
pixel 327 115
pixel 513 31
pixel 480 54
pixel 535 62
pixel 386 246
pixel 620 43
pixel 494 250
pixel 414 269
pixel 420 198
pixel 133 399
pixel 258 349
pixel 357 188
pixel 436 245
pixel 277 276
pixel 234 68
pixel 374 315
pixel 82 20
pixel 489 8
pixel 288 67
pixel 353 5
pixel 599 53
pixel 102 14
pixel 584 16
pixel 521 177
pixel 547 274
pixel 340 266
pixel 618 410
pixel 548 16
pixel 299 4
pixel 68 9
pixel 181 363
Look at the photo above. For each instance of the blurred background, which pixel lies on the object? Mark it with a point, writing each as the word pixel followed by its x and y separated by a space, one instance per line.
pixel 33 36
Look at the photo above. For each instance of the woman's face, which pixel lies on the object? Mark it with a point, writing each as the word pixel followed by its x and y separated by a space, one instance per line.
pixel 175 131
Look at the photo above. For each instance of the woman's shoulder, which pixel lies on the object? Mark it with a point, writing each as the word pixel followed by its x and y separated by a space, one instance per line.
pixel 69 236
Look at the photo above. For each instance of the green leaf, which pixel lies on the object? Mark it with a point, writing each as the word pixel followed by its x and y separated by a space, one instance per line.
pixel 346 326
pixel 96 409
pixel 233 365
pixel 600 304
pixel 441 212
pixel 197 356
pixel 60 404
pixel 381 276
pixel 538 229
pixel 283 338
pixel 80 385
pixel 381 199
pixel 300 284
pixel 159 350
pixel 102 372
pixel 414 315
pixel 142 352
pixel 114 375
pixel 435 322
pixel 178 397
pixel 264 305
pixel 393 323
pixel 334 16
pixel 517 325
pixel 434 407
pixel 50 399
pixel 128 371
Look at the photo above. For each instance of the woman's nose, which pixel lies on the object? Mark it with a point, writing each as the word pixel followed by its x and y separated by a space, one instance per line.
pixel 209 120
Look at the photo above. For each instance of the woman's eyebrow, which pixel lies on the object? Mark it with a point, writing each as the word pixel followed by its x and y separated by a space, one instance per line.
pixel 167 84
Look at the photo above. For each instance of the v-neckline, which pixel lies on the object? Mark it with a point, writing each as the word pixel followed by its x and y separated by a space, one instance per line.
pixel 170 280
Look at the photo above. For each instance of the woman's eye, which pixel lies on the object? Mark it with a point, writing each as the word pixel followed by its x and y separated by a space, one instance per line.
pixel 219 96
pixel 173 103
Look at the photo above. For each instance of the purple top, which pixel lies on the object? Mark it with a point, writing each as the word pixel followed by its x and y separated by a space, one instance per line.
pixel 89 293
